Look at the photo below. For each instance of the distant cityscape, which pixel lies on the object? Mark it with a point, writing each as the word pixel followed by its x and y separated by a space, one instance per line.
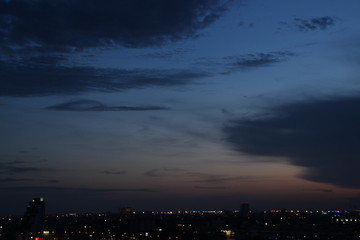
pixel 128 224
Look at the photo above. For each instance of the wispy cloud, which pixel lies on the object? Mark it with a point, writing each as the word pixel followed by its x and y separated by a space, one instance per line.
pixel 325 190
pixel 210 188
pixel 206 178
pixel 217 179
pixel 121 172
pixel 13 162
pixel 318 23
pixel 53 181
pixel 27 81
pixel 14 170
pixel 166 54
pixel 160 172
pixel 18 167
pixel 91 105
pixel 257 59
pixel 312 24
pixel 246 62
pixel 9 180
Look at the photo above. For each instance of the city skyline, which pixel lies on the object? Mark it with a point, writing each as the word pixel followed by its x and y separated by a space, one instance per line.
pixel 196 104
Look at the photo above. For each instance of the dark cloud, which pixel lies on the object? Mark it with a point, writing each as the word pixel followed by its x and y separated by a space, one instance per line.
pixel 91 105
pixel 37 39
pixel 313 24
pixel 61 24
pixel 321 135
pixel 26 80
pixel 121 172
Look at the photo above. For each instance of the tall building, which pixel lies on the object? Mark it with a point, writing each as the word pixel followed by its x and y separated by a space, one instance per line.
pixel 244 209
pixel 34 218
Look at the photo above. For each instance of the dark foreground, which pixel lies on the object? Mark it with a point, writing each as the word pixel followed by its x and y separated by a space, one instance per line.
pixel 188 225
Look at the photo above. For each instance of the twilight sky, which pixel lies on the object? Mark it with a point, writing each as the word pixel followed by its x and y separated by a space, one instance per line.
pixel 179 104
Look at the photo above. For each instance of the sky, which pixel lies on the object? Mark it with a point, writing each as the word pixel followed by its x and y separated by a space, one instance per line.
pixel 179 104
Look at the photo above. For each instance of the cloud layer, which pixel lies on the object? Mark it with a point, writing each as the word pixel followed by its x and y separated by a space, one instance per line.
pixel 61 24
pixel 321 135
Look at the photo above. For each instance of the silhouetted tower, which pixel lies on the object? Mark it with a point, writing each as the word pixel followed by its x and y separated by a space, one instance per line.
pixel 244 209
pixel 34 218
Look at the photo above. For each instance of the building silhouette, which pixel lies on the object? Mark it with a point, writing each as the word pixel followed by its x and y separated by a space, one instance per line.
pixel 244 209
pixel 34 219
